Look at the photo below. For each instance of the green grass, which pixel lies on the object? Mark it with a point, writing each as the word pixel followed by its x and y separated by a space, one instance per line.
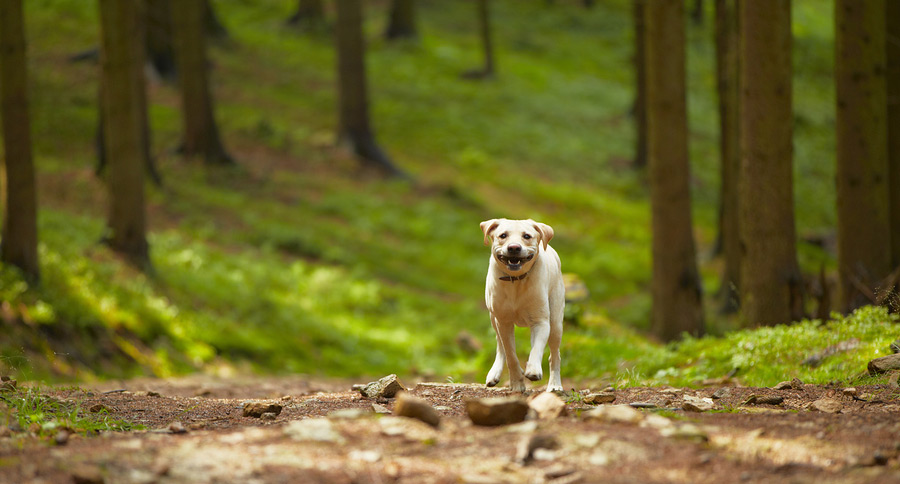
pixel 31 409
pixel 295 262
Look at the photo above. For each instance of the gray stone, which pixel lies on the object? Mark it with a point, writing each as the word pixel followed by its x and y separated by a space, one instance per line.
pixel 412 407
pixel 827 405
pixel 599 398
pixel 256 409
pixel 697 404
pixel 763 400
pixel 530 444
pixel 269 416
pixel 547 405
pixel 723 392
pixel 313 430
pixel 785 385
pixel 884 364
pixel 386 387
pixel 380 409
pixel 614 413
pixel 850 392
pixel 177 427
pixel 98 407
pixel 497 410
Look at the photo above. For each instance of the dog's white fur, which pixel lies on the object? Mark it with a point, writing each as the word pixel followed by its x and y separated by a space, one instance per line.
pixel 536 300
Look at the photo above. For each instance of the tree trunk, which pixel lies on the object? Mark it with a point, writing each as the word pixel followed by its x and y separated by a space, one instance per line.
pixel 640 104
pixel 697 12
pixel 484 20
pixel 893 118
pixel 677 305
pixel 18 238
pixel 122 65
pixel 158 28
pixel 770 280
pixel 354 127
pixel 201 134
pixel 214 26
pixel 864 246
pixel 727 73
pixel 402 24
pixel 309 14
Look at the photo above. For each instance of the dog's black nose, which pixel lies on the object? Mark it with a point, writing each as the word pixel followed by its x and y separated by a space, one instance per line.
pixel 514 248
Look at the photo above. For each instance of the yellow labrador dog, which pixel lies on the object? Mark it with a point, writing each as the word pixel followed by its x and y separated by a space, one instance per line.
pixel 524 288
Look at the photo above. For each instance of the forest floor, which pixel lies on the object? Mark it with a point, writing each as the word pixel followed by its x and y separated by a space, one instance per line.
pixel 816 434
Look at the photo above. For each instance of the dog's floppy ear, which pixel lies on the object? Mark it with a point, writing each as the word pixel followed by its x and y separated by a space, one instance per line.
pixel 546 232
pixel 487 227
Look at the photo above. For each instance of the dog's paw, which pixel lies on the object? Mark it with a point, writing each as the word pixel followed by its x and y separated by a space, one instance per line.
pixel 517 386
pixel 533 376
pixel 558 389
pixel 492 381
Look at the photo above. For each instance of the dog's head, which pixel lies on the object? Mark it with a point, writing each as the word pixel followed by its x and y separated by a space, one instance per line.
pixel 515 243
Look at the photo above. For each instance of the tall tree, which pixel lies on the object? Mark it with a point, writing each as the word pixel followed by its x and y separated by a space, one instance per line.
pixel 354 129
pixel 893 117
pixel 309 14
pixel 214 27
pixel 727 74
pixel 640 105
pixel 18 238
pixel 201 134
pixel 864 245
pixel 158 29
pixel 487 43
pixel 121 56
pixel 677 304
pixel 402 22
pixel 770 280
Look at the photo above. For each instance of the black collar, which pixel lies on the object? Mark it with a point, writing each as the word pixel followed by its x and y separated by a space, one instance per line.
pixel 514 278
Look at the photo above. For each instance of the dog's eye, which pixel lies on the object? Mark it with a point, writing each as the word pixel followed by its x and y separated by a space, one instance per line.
pixel 526 236
pixel 503 235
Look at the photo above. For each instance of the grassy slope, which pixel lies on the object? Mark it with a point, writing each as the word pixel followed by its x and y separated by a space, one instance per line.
pixel 297 262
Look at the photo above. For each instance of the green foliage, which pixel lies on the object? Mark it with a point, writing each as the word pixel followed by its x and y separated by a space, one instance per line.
pixel 33 410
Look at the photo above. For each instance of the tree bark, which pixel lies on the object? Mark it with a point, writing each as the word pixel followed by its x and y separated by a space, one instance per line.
pixel 484 21
pixel 677 306
pixel 18 238
pixel 121 57
pixel 893 117
pixel 309 14
pixel 727 74
pixel 864 246
pixel 640 104
pixel 354 127
pixel 201 134
pixel 402 22
pixel 158 28
pixel 770 280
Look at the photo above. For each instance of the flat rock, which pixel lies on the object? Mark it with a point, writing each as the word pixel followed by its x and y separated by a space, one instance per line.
pixel 722 393
pixel 599 398
pixel 697 404
pixel 548 405
pixel 412 407
pixel 614 413
pixel 763 400
pixel 884 364
pixel 386 387
pixel 497 410
pixel 256 409
pixel 380 409
pixel 785 385
pixel 827 405
pixel 313 430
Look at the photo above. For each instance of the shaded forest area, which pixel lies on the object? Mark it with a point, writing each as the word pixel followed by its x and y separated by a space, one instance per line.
pixel 296 186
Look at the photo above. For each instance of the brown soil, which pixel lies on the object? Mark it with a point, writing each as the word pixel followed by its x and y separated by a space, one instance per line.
pixel 734 442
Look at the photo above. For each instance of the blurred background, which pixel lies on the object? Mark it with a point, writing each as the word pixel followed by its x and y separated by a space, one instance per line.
pixel 295 187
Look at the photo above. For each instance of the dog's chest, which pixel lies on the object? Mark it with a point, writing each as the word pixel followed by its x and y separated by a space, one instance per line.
pixel 516 301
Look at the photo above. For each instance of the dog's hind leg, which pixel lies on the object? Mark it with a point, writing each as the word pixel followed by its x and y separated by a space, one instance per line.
pixel 555 383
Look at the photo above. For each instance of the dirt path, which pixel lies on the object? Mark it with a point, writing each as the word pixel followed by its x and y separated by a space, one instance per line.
pixel 790 441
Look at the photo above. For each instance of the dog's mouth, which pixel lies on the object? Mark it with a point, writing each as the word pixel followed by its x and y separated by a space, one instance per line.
pixel 514 263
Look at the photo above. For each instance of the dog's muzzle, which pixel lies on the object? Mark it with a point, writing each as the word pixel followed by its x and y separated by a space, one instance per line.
pixel 513 263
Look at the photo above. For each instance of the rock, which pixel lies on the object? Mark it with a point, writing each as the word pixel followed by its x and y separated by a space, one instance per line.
pixel 884 364
pixel 313 430
pixel 547 405
pixel 87 474
pixel 723 392
pixel 785 385
pixel 599 398
pixel 796 383
pixel 894 378
pixel 654 421
pixel 497 410
pixel 348 414
pixel 468 343
pixel 763 400
pixel 61 437
pixel 827 405
pixel 148 393
pixel 8 385
pixel 98 407
pixel 697 404
pixel 850 392
pixel 177 427
pixel 380 409
pixel 269 416
pixel 412 407
pixel 256 409
pixel 408 428
pixel 386 387
pixel 686 431
pixel 530 444
pixel 642 405
pixel 614 413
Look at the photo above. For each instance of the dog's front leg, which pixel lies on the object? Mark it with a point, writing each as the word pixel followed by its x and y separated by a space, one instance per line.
pixel 507 335
pixel 540 331
pixel 493 376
